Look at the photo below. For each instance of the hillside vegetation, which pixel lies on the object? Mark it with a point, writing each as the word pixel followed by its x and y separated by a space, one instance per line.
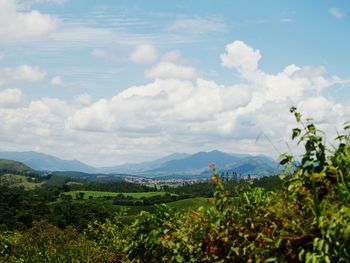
pixel 9 166
pixel 304 219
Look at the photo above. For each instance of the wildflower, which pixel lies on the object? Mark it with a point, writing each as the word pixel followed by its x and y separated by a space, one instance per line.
pixel 214 179
pixel 194 215
pixel 214 249
pixel 167 237
pixel 212 165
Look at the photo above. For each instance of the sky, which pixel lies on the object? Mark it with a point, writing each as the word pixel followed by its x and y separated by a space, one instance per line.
pixel 112 81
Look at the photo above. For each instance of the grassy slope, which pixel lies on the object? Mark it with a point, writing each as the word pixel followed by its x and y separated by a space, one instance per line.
pixel 190 203
pixel 18 180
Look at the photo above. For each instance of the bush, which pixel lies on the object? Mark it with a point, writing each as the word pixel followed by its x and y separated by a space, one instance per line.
pixel 307 220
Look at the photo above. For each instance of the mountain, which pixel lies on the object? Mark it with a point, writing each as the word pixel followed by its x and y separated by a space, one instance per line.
pixel 14 167
pixel 174 165
pixel 253 165
pixel 40 161
pixel 135 168
pixel 197 165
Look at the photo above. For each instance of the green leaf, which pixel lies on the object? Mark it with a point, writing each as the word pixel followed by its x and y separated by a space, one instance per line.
pixel 311 128
pixel 296 133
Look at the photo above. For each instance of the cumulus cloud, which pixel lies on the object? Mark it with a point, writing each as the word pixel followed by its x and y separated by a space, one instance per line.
pixel 176 113
pixel 241 57
pixel 168 70
pixel 83 99
pixel 168 103
pixel 21 73
pixel 144 54
pixel 171 56
pixel 10 98
pixel 337 13
pixel 15 24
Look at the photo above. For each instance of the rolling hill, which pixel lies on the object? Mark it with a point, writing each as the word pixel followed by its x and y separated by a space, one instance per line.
pixel 40 161
pixel 10 166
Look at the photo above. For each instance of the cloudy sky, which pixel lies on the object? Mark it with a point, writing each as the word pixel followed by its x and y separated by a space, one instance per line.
pixel 113 81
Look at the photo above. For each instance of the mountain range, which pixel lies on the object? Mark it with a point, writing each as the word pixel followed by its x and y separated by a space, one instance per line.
pixel 40 162
pixel 177 164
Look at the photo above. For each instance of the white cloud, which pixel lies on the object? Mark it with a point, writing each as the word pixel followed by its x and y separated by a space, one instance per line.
pixel 56 81
pixel 83 99
pixel 168 70
pixel 10 98
pixel 93 118
pixel 337 13
pixel 197 25
pixel 99 53
pixel 286 20
pixel 171 56
pixel 144 54
pixel 58 2
pixel 167 102
pixel 17 25
pixel 176 113
pixel 21 73
pixel 241 57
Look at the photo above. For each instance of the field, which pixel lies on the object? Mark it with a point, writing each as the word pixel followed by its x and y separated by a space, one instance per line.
pixel 190 203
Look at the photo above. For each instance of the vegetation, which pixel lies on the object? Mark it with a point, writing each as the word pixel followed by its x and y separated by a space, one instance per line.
pixel 9 166
pixel 305 218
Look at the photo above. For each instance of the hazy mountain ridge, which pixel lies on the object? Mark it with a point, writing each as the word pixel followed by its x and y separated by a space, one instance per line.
pixel 144 166
pixel 171 165
pixel 197 164
pixel 40 161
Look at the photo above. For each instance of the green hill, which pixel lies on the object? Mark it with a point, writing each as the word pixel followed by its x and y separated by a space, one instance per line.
pixel 9 166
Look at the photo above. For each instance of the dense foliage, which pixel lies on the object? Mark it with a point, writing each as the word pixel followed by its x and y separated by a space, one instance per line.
pixel 307 219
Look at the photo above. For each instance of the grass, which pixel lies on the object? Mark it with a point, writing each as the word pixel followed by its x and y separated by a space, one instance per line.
pixel 97 194
pixel 18 180
pixel 190 203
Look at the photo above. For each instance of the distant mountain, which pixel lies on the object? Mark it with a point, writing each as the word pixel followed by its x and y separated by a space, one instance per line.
pixel 135 168
pixel 11 166
pixel 174 165
pixel 40 161
pixel 197 165
pixel 194 164
pixel 253 165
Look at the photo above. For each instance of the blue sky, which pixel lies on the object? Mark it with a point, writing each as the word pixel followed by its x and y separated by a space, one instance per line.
pixel 108 82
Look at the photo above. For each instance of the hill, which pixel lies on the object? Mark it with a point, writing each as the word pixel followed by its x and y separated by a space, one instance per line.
pixel 9 166
pixel 40 161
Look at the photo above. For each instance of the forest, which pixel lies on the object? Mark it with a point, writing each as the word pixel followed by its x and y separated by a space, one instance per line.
pixel 302 215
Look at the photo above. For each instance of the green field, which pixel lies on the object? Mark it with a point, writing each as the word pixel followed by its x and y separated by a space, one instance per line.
pixel 190 203
pixel 97 194
pixel 18 180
